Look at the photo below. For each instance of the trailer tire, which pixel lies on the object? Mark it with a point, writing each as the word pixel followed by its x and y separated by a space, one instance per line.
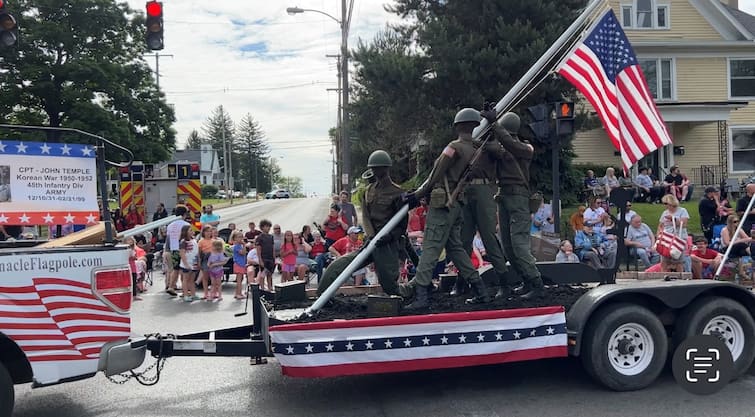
pixel 7 395
pixel 625 347
pixel 725 318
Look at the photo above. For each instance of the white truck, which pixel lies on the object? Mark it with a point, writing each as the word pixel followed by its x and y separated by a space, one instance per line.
pixel 64 311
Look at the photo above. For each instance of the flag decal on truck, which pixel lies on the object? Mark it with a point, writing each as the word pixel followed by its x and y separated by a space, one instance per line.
pixel 397 344
pixel 59 319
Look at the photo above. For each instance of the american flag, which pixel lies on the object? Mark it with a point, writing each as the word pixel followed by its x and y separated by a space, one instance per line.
pixel 410 343
pixel 604 68
pixel 59 319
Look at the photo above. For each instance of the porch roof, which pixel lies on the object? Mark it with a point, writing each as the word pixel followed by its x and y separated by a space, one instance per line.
pixel 699 111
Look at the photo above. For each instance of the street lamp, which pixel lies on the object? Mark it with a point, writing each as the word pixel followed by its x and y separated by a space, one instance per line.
pixel 344 23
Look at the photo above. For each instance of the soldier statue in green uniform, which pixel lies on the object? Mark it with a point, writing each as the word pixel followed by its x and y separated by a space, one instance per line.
pixel 479 212
pixel 382 199
pixel 513 205
pixel 443 227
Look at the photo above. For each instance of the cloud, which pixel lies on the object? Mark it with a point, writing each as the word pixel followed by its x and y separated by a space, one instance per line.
pixel 252 57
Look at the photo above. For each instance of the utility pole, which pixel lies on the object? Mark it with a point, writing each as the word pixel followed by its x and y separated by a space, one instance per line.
pixel 337 152
pixel 345 143
pixel 157 56
pixel 225 152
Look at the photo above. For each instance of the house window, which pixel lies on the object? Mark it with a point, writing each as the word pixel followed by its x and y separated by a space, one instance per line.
pixel 742 149
pixel 645 14
pixel 204 179
pixel 742 78
pixel 659 75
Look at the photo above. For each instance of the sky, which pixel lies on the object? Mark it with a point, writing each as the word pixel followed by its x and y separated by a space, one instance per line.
pixel 252 57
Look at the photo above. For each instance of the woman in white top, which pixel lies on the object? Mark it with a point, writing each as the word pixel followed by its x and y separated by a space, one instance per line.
pixel 673 220
pixel 610 181
pixel 595 214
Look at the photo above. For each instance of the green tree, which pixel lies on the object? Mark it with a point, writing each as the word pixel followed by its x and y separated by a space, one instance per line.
pixel 450 54
pixel 194 141
pixel 219 125
pixel 79 63
pixel 252 151
pixel 294 185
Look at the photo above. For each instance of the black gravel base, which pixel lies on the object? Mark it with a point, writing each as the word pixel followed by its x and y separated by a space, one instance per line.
pixel 355 307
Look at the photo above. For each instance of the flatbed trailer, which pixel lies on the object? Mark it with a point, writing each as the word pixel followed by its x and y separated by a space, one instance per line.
pixel 623 333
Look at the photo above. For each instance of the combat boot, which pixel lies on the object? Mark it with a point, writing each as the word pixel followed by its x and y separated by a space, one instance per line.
pixel 421 298
pixel 460 287
pixel 504 291
pixel 480 293
pixel 534 289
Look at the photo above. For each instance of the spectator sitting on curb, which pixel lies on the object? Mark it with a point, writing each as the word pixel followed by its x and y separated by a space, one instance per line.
pixel 640 241
pixel 566 253
pixel 705 261
pixel 346 245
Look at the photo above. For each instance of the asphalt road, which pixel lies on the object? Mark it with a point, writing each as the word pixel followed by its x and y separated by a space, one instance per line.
pixel 291 214
pixel 199 387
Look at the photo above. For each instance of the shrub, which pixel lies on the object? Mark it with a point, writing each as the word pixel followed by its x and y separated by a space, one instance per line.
pixel 209 191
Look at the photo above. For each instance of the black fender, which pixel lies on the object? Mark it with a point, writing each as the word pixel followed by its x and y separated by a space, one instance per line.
pixel 664 298
pixel 15 361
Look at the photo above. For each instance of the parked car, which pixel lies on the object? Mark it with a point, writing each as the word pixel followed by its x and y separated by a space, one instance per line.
pixel 269 195
pixel 221 195
pixel 282 194
pixel 251 194
pixel 237 194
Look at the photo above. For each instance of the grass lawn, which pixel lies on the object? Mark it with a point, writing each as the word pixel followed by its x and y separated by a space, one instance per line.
pixel 650 214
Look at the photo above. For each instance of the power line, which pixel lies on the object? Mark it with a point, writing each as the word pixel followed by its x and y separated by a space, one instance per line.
pixel 230 89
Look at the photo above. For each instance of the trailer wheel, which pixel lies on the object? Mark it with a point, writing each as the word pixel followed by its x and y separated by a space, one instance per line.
pixel 625 347
pixel 725 318
pixel 6 392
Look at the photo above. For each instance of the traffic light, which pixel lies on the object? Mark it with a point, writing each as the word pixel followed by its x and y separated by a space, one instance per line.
pixel 155 40
pixel 564 118
pixel 540 125
pixel 8 27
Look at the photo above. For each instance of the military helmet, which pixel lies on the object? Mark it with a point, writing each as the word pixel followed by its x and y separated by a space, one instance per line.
pixel 467 115
pixel 510 121
pixel 379 158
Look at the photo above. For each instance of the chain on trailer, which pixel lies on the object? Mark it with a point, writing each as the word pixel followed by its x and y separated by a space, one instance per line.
pixel 158 365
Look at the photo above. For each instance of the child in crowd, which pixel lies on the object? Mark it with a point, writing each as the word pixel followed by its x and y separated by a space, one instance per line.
pixel 253 271
pixel 239 261
pixel 215 264
pixel 288 256
pixel 265 251
pixel 566 253
pixel 189 265
pixel 132 257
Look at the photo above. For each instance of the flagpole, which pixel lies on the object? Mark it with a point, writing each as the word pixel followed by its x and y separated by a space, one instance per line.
pixel 507 102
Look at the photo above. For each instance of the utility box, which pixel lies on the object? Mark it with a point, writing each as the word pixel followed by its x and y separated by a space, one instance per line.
pixel 383 306
pixel 290 291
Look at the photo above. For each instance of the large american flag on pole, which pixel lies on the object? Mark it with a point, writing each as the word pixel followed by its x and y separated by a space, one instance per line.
pixel 410 343
pixel 604 68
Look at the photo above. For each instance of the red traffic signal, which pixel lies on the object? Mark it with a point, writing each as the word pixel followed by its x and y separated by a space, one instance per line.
pixel 154 9
pixel 154 35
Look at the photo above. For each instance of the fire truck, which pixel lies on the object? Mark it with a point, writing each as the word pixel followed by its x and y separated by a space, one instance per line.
pixel 147 185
